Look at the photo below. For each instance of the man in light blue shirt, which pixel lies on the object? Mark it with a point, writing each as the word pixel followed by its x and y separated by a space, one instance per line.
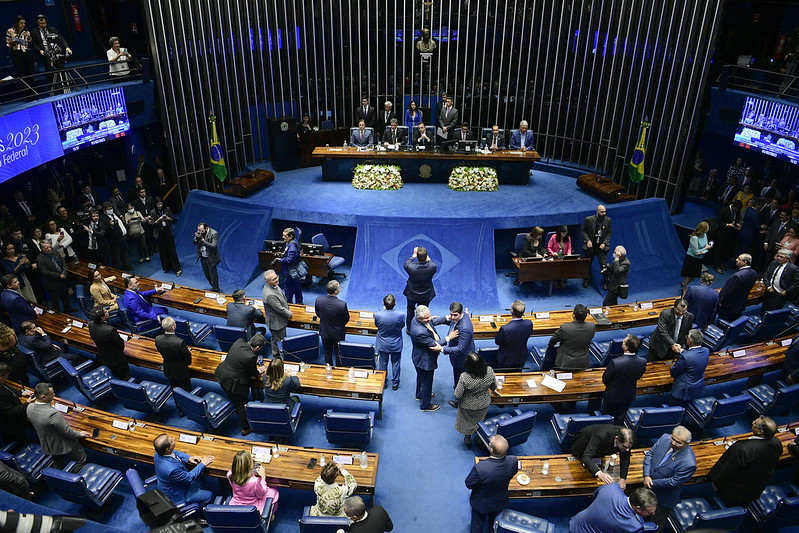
pixel 388 343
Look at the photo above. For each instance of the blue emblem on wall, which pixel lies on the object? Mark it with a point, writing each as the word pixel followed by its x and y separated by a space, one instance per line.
pixel 396 256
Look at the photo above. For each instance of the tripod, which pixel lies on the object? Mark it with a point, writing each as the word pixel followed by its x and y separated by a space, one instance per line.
pixel 61 79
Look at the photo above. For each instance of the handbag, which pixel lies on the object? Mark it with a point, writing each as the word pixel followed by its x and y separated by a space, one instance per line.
pixel 298 271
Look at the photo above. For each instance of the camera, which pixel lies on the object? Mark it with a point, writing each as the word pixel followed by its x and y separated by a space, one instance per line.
pixel 53 52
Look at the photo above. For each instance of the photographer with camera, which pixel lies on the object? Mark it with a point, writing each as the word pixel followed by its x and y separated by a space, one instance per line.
pixel 207 241
pixel 52 47
pixel 118 58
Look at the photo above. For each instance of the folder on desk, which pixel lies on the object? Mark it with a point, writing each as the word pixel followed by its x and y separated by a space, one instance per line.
pixel 601 319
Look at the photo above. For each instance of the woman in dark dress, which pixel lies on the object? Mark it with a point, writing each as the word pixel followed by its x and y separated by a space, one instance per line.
pixel 534 243
pixel 278 386
pixel 161 219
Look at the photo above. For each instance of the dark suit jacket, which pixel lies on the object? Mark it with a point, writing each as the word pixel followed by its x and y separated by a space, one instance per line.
pixel 727 194
pixel 376 521
pixel 590 228
pixel 144 207
pixel 17 307
pixel 11 410
pixel 776 233
pixel 669 477
pixel 489 140
pixel 448 120
pixel 397 137
pixel 620 378
pixel 617 273
pixel 110 348
pixel 663 337
pixel 575 340
pixel 735 294
pixel 419 287
pixel 512 341
pixel 417 141
pixel 459 348
pixel 241 315
pixel 789 281
pixel 689 373
pixel 36 39
pixel 741 474
pixel 51 278
pixel 235 373
pixel 422 340
pixel 488 481
pixel 211 242
pixel 597 440
pixel 368 138
pixel 370 117
pixel 41 345
pixel 382 123
pixel 177 357
pixel 164 225
pixel 333 317
pixel 703 301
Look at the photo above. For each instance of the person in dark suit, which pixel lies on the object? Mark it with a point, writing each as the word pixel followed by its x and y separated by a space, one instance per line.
pixel 207 241
pixel 277 309
pixel 599 440
pixel 366 113
pixel 117 236
pixel 333 317
pixel 575 339
pixel 421 138
pixel 464 133
pixel 740 475
pixel 711 189
pixel 419 289
pixel 57 437
pixel 596 234
pixel 669 336
pixel 42 46
pixel 488 480
pixel 522 139
pixel 734 295
pixel 668 465
pixel 447 121
pixel 110 346
pixel 375 521
pixel 425 352
pixel 176 356
pixel 241 315
pixel 459 341
pixel 393 135
pixel 12 410
pixel 18 308
pixel 23 211
pixel 388 343
pixel 689 370
pixel 621 378
pixel 98 249
pixel 616 271
pixel 384 118
pixel 729 225
pixel 512 339
pixel 362 137
pixel 236 372
pixel 729 191
pixel 289 260
pixel 781 281
pixel 118 201
pixel 144 204
pixel 494 140
pixel 703 301
pixel 612 510
pixel 34 338
pixel 54 277
pixel 776 232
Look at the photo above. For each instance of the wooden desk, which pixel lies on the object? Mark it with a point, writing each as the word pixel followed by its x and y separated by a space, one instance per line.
pixel 289 470
pixel 604 188
pixel 575 480
pixel 312 139
pixel 141 351
pixel 551 270
pixel 512 166
pixel 317 264
pixel 587 384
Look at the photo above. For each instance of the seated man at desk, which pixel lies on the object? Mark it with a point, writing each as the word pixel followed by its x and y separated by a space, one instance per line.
pixel 421 138
pixel 494 140
pixel 138 304
pixel 241 315
pixel 175 479
pixel 36 340
pixel 599 440
pixel 522 139
pixel 393 135
pixel 362 138
pixel 464 134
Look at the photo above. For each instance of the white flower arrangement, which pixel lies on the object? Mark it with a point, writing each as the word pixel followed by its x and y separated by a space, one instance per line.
pixel 377 177
pixel 473 179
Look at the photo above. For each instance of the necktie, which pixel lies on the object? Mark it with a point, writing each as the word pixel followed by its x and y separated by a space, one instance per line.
pixel 446 113
pixel 782 225
pixel 25 208
pixel 435 335
pixel 55 264
pixel 666 457
pixel 775 280
pixel 364 112
pixel 386 116
pixel 677 324
pixel 495 142
pixel 463 136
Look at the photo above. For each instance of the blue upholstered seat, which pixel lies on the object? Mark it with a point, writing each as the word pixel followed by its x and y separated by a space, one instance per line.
pixel 93 384
pixel 489 355
pixel 146 396
pixel 139 487
pixel 146 327
pixel 227 335
pixel 238 518
pixel 302 347
pixel 652 422
pixel 273 419
pixel 357 355
pixel 335 261
pixel 568 426
pixel 30 460
pixel 49 371
pixel 92 486
pixel 776 507
pixel 603 352
pixel 322 524
pixel 765 400
pixel 771 323
pixel 210 409
pixel 349 428
pixel 717 337
pixel 191 332
pixel 515 427
pixel 510 521
pixel 696 513
pixel 710 412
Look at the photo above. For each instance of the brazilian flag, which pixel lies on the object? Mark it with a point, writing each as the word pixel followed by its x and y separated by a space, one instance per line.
pixel 636 168
pixel 217 154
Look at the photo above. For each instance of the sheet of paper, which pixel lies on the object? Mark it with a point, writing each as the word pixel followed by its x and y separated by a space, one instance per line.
pixel 291 368
pixel 125 275
pixel 38 310
pixel 261 451
pixel 189 439
pixel 66 329
pixel 531 383
pixel 123 337
pixel 554 384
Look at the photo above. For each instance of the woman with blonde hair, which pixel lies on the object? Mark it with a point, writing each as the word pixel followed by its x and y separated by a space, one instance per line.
pixel 249 484
pixel 697 248
pixel 278 386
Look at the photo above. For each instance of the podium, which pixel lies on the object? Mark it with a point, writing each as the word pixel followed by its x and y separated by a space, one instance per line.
pixel 282 139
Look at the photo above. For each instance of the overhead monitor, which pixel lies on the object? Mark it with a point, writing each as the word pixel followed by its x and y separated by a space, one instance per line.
pixel 770 127
pixel 88 119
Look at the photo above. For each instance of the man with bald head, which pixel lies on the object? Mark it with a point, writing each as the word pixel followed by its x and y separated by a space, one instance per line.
pixel 179 483
pixel 668 465
pixel 488 482
pixel 596 238
pixel 734 295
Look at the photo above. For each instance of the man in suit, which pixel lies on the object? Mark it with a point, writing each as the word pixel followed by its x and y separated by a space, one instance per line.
pixel 488 480
pixel 144 204
pixel 87 197
pixel 362 137
pixel 729 226
pixel 781 281
pixel 180 484
pixel 384 118
pixel 596 238
pixel 110 346
pixel 776 232
pixel 241 315
pixel 710 191
pixel 40 42
pixel 669 336
pixel 512 339
pixel 17 307
pixel 375 521
pixel 447 121
pixel 420 137
pixel 12 410
pixel 426 348
pixel 133 192
pixel 97 248
pixel 741 474
pixel 58 439
pixel 54 277
pixel 419 289
pixel 277 309
pixel 599 440
pixel 176 355
pixel 494 140
pixel 138 304
pixel 34 338
pixel 207 241
pixel 236 372
pixel 575 339
pixel 459 341
pixel 118 201
pixel 729 191
pixel 388 343
pixel 621 378
pixel 703 301
pixel 612 510
pixel 689 370
pixel 22 211
pixel 366 113
pixel 393 135
pixel 464 134
pixel 616 272
pixel 333 317
pixel 734 295
pixel 668 465
pixel 522 139
pixel 117 236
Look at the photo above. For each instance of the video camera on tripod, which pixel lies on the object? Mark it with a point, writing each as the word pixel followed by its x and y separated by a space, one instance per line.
pixel 54 53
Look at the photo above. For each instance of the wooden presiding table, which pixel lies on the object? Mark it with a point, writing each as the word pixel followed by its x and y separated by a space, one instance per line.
pixel 551 269
pixel 512 166
pixel 141 351
pixel 317 264
pixel 587 384
pixel 289 470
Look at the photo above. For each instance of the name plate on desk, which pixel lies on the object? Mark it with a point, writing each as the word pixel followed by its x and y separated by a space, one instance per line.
pixel 738 353
pixel 596 310
pixel 646 305
pixel 542 316
pixel 366 314
pixel 211 295
pixel 292 368
pixel 564 375
pixel 342 459
pixel 310 310
pixel 77 324
pixel 120 425
pixel 189 439
pixel 165 286
pixel 92 266
pixel 786 342
pixel 125 275
pixel 60 407
pixel 484 318
pixel 361 374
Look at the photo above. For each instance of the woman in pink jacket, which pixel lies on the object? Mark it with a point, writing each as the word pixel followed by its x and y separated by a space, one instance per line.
pixel 249 488
pixel 560 242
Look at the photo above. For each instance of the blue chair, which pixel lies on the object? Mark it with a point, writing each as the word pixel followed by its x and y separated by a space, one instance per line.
pixel 709 412
pixel 273 419
pixel 191 332
pixel 92 486
pixel 354 129
pixel 48 372
pixel 652 422
pixel 227 335
pixel 327 125
pixel 357 355
pixel 771 323
pixel 510 521
pixel 210 409
pixel 238 518
pixel 322 524
pixel 94 384
pixel 715 338
pixel 775 508
pixel 518 244
pixel 139 487
pixel 85 300
pixel 539 354
pixel 696 513
pixel 302 347
pixel 30 460
pixel 568 426
pixel 515 427
pixel 147 327
pixel 335 261
pixel 486 131
pixel 349 428
pixel 146 396
pixel 603 352
pixel 765 400
pixel 489 355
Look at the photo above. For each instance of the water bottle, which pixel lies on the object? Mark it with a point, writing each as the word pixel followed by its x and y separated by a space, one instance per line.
pixel 260 360
pixel 302 366
pixel 329 372
pixel 345 144
pixel 364 460
pixel 545 468
pixel 351 375
pixel 275 452
pixel 322 461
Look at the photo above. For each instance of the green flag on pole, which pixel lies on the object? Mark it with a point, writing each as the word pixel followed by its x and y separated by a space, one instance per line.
pixel 636 168
pixel 217 154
